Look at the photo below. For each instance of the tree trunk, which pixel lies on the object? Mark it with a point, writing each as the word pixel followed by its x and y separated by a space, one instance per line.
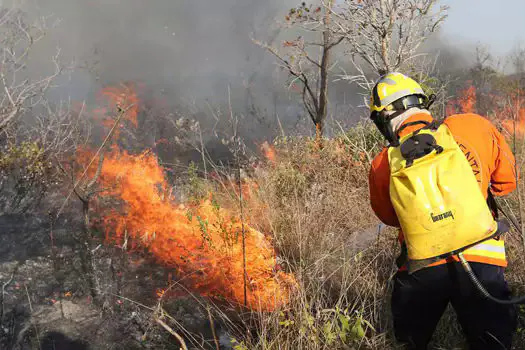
pixel 323 89
pixel 319 133
pixel 386 38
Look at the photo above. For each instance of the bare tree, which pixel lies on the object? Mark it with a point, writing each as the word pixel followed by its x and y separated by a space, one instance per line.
pixel 307 58
pixel 517 59
pixel 85 189
pixel 385 35
pixel 483 77
pixel 31 128
pixel 433 82
pixel 19 94
pixel 32 148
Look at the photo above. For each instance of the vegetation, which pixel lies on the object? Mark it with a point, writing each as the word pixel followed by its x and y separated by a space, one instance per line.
pixel 142 249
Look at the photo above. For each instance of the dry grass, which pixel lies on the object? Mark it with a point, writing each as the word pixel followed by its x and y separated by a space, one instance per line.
pixel 315 206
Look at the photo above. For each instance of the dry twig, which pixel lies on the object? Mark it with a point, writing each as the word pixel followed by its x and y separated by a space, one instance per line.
pixel 34 324
pixel 212 326
pixel 170 330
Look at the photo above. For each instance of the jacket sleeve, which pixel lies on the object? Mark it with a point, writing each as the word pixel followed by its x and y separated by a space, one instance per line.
pixel 379 182
pixel 503 179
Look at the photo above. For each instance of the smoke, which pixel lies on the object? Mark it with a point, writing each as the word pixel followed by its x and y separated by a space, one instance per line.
pixel 198 46
pixel 195 51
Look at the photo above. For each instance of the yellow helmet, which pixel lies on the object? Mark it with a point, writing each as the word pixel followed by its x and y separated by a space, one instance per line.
pixel 395 92
pixel 391 88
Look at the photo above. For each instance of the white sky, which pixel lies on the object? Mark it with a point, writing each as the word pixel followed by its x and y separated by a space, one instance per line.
pixel 498 24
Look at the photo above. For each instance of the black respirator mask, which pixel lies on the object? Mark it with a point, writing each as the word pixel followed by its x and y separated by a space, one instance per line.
pixel 382 120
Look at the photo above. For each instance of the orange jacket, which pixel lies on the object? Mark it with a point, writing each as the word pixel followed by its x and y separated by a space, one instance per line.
pixel 488 153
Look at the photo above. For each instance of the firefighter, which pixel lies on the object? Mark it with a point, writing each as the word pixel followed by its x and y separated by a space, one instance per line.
pixel 419 299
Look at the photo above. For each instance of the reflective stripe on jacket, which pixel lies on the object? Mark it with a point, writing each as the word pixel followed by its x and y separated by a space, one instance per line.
pixel 492 162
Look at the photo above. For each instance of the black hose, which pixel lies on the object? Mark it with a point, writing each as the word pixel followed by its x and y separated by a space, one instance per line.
pixel 481 289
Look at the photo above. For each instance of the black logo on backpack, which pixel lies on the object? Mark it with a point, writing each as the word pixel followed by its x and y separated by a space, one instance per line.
pixel 439 217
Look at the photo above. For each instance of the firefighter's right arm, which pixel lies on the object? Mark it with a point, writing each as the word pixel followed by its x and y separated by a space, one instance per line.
pixel 379 182
pixel 503 177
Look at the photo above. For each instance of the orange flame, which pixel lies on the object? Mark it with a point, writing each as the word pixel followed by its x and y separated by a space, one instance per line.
pixel 124 99
pixel 202 243
pixel 160 292
pixel 248 188
pixel 269 152
pixel 464 103
pixel 507 108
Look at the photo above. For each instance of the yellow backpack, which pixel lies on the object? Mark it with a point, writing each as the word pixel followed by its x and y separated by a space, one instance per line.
pixel 436 196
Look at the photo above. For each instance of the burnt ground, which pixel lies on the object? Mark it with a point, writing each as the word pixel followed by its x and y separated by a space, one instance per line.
pixel 46 304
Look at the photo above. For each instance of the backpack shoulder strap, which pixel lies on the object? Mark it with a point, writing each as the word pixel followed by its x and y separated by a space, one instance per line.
pixel 406 125
pixel 435 124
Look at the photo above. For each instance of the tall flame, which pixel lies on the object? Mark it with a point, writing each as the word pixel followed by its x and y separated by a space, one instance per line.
pixel 125 99
pixel 201 243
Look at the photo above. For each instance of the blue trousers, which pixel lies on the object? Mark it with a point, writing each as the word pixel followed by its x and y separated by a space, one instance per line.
pixel 419 300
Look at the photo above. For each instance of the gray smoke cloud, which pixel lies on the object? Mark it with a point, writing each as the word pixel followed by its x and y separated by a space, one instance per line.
pixel 193 50
pixel 198 46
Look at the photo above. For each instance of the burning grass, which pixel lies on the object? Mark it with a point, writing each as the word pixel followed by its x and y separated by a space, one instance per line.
pixel 202 243
pixel 317 271
pixel 504 108
pixel 315 205
pixel 211 251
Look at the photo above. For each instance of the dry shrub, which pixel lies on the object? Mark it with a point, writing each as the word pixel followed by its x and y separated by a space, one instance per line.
pixel 316 199
pixel 315 206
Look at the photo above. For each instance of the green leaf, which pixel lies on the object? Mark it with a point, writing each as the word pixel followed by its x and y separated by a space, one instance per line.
pixel 345 326
pixel 328 333
pixel 357 330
